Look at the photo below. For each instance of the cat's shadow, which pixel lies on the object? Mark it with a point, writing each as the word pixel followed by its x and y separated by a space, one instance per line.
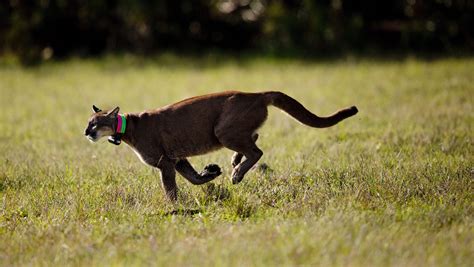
pixel 182 212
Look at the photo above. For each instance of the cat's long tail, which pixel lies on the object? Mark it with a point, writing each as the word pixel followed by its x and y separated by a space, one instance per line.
pixel 299 112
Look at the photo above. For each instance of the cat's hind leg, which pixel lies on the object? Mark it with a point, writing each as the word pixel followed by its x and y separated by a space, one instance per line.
pixel 237 157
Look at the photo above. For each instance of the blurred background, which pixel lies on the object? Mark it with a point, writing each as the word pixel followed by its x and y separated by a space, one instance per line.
pixel 37 30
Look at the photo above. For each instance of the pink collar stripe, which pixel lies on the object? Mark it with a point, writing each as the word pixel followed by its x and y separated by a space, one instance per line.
pixel 121 124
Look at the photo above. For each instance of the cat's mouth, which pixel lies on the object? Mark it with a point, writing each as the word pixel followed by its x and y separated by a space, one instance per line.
pixel 93 138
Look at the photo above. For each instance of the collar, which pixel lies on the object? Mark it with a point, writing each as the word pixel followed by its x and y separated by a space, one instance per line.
pixel 121 124
pixel 116 139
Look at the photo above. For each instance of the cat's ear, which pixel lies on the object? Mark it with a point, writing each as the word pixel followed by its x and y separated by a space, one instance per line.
pixel 96 109
pixel 114 112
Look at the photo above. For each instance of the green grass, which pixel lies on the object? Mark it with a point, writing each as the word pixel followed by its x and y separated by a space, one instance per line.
pixel 392 186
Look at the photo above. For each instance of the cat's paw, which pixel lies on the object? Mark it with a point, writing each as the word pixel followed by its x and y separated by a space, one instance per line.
pixel 211 170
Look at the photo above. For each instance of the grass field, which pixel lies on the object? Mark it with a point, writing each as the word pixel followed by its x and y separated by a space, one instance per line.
pixel 393 185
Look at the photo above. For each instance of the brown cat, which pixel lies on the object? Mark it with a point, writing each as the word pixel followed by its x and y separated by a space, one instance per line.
pixel 165 137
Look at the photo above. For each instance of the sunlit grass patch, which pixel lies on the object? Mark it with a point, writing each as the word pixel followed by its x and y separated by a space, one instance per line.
pixel 390 186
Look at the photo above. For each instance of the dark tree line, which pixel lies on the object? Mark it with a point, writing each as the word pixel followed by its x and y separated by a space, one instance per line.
pixel 33 29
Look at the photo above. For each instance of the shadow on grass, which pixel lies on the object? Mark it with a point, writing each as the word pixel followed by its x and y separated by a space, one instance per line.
pixel 182 212
pixel 176 212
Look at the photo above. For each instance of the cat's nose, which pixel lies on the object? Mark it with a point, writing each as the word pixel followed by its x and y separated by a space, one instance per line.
pixel 86 132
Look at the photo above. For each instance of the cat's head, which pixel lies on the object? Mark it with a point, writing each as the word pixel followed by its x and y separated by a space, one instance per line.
pixel 101 123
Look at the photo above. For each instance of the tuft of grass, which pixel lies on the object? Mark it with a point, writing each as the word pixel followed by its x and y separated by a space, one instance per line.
pixel 390 186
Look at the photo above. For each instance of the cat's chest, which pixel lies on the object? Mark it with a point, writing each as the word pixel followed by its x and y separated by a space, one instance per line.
pixel 146 157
